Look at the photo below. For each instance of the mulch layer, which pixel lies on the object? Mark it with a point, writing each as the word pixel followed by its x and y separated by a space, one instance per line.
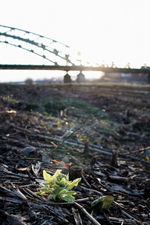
pixel 110 152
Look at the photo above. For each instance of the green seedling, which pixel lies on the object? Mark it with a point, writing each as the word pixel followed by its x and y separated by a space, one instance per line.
pixel 104 202
pixel 57 186
pixel 148 158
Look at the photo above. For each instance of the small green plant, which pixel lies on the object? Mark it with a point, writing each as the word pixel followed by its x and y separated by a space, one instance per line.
pixel 57 119
pixel 9 99
pixel 50 116
pixel 104 202
pixel 57 186
pixel 148 158
pixel 58 125
pixel 42 123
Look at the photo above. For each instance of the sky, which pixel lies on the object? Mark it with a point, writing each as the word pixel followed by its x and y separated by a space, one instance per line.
pixel 104 31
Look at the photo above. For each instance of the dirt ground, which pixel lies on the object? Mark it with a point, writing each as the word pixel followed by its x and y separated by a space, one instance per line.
pixel 104 129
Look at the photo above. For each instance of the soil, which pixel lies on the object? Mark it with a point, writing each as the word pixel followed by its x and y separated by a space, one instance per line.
pixel 101 130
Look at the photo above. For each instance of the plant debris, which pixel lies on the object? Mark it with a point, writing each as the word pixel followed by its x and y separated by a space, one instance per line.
pixel 97 132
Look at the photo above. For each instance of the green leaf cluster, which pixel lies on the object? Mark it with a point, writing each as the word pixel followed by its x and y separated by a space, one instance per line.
pixel 57 186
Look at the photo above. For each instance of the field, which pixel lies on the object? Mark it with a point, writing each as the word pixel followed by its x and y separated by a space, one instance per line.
pixel 102 129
